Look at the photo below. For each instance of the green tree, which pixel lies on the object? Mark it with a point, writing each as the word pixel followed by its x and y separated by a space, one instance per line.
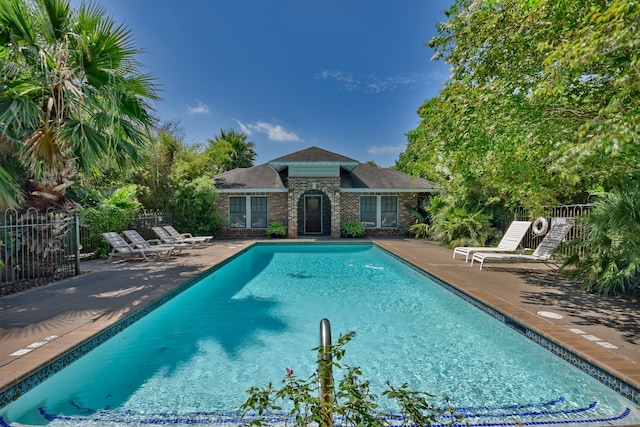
pixel 154 176
pixel 232 150
pixel 542 93
pixel 71 95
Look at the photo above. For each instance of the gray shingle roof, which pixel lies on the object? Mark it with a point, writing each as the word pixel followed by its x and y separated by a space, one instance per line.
pixel 354 176
pixel 313 154
pixel 371 177
pixel 256 177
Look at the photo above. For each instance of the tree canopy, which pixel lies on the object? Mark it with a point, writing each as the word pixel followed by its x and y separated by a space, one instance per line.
pixel 71 96
pixel 543 103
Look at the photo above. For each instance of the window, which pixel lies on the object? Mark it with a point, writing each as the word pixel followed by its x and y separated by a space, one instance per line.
pixel 379 211
pixel 248 212
pixel 389 211
pixel 238 212
pixel 258 212
pixel 368 211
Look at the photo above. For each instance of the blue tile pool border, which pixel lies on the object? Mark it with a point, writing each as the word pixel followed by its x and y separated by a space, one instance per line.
pixel 39 375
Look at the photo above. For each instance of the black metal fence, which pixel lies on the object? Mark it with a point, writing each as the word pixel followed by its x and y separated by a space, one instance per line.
pixel 37 247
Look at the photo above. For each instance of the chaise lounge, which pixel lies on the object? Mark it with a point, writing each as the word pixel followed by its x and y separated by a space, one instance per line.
pixel 139 242
pixel 509 243
pixel 187 237
pixel 543 252
pixel 124 249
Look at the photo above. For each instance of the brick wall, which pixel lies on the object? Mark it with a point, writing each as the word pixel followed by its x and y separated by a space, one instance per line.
pixel 288 208
pixel 330 189
pixel 276 211
pixel 351 212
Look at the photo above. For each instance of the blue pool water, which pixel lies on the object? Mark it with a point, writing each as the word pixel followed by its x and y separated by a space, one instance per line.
pixel 193 358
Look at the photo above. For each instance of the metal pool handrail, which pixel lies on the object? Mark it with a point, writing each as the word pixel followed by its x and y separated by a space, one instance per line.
pixel 325 374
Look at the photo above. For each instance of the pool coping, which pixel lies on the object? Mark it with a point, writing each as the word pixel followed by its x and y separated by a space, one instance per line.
pixel 614 371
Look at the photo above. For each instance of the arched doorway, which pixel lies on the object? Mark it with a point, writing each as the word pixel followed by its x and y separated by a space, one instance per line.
pixel 314 213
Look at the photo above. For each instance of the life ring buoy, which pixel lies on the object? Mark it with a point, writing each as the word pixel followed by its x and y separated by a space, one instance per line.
pixel 540 226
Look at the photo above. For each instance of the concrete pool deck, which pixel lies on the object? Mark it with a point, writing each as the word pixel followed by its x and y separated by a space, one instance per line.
pixel 41 324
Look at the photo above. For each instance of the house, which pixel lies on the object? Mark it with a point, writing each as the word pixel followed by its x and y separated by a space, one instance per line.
pixel 313 191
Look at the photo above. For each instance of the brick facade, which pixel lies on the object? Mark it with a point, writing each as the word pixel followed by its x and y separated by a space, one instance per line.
pixel 277 210
pixel 338 207
pixel 329 188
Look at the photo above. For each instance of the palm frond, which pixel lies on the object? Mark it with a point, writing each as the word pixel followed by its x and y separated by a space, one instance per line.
pixel 10 195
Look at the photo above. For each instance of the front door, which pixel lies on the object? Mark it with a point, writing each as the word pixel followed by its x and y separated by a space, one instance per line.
pixel 313 214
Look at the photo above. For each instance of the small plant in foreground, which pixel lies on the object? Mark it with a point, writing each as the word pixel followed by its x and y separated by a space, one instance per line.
pixel 276 229
pixel 349 403
pixel 352 229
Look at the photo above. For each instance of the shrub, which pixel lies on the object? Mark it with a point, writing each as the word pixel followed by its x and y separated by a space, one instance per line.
pixel 113 214
pixel 103 219
pixel 611 260
pixel 125 198
pixel 420 228
pixel 276 229
pixel 352 229
pixel 298 401
pixel 454 225
pixel 194 208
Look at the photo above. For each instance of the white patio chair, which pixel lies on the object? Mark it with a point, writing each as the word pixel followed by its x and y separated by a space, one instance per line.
pixel 543 252
pixel 509 243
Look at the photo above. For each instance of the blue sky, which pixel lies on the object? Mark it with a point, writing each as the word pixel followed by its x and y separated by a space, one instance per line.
pixel 347 76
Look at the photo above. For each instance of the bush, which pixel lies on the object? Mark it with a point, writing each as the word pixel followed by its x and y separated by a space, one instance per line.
pixel 352 229
pixel 350 400
pixel 125 198
pixel 420 228
pixel 103 219
pixel 611 260
pixel 454 226
pixel 276 229
pixel 113 214
pixel 194 207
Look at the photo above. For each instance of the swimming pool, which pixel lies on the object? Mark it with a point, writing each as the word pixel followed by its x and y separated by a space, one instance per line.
pixel 246 322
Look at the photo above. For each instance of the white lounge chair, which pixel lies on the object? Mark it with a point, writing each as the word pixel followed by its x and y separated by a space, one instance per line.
pixel 167 238
pixel 139 242
pixel 509 243
pixel 124 249
pixel 543 252
pixel 187 237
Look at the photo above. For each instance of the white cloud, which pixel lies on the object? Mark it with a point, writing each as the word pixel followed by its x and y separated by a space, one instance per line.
pixel 345 79
pixel 244 128
pixel 372 83
pixel 273 131
pixel 198 109
pixel 382 149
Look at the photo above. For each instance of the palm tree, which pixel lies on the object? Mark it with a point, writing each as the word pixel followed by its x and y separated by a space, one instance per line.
pixel 71 95
pixel 238 152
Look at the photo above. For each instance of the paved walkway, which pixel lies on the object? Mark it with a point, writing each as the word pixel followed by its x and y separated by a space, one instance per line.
pixel 40 324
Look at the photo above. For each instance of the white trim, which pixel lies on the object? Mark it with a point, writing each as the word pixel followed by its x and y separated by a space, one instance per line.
pixel 378 223
pixel 252 190
pixel 247 213
pixel 342 190
pixel 386 190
